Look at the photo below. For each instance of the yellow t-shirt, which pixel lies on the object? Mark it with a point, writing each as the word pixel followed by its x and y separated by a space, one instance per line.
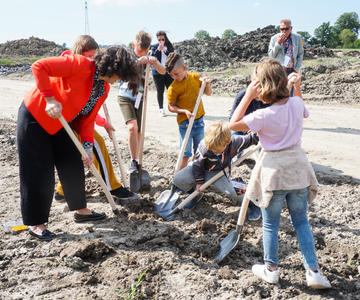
pixel 184 94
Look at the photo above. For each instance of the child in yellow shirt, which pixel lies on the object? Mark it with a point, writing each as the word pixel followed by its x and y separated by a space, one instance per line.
pixel 182 95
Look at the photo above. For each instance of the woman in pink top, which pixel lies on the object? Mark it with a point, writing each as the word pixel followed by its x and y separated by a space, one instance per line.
pixel 282 171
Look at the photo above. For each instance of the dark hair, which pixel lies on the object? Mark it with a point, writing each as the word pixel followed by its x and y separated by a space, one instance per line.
pixel 173 60
pixel 167 41
pixel 117 60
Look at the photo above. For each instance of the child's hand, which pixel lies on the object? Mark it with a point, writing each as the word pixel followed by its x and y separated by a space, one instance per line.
pixel 144 59
pixel 294 80
pixel 198 186
pixel 109 130
pixel 254 89
pixel 206 78
pixel 152 60
pixel 295 75
pixel 188 114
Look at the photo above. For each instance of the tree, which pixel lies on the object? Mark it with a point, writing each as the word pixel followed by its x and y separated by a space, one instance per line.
pixel 202 35
pixel 322 34
pixel 326 35
pixel 305 35
pixel 228 34
pixel 348 21
pixel 347 38
pixel 357 44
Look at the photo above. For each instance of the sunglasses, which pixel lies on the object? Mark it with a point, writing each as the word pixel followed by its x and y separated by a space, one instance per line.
pixel 286 28
pixel 161 40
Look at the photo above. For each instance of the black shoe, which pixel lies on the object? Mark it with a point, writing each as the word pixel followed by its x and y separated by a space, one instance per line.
pixel 124 195
pixel 134 167
pixel 59 197
pixel 93 217
pixel 46 235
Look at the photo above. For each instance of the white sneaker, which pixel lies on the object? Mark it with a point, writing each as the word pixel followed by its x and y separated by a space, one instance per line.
pixel 263 272
pixel 316 280
pixel 162 112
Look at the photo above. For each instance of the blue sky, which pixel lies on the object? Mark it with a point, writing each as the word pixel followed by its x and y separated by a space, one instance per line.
pixel 117 21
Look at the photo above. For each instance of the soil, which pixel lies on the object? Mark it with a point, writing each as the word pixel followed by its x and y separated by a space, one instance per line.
pixel 105 259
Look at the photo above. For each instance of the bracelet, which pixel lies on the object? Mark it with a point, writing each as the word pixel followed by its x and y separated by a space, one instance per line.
pixel 88 150
pixel 107 125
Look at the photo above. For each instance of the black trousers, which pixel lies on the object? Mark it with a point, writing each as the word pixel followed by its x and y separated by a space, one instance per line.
pixel 160 82
pixel 38 153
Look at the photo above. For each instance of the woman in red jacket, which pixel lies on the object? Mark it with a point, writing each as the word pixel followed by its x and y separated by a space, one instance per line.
pixel 75 87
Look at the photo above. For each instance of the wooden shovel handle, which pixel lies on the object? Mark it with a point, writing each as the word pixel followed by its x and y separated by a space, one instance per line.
pixel 92 167
pixel 116 147
pixel 143 117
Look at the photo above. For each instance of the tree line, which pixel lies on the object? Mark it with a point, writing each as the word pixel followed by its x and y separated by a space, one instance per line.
pixel 343 34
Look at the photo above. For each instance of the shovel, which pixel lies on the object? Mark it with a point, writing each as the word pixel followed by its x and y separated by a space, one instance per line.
pixel 168 213
pixel 116 147
pixel 92 167
pixel 141 178
pixel 232 239
pixel 168 198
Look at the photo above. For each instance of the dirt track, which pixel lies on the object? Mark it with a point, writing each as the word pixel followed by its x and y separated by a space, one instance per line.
pixel 331 133
pixel 99 261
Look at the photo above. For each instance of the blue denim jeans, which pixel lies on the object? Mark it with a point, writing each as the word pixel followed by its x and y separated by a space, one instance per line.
pixel 196 135
pixel 297 204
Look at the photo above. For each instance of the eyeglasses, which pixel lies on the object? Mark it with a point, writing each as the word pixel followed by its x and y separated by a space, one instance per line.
pixel 286 28
pixel 161 40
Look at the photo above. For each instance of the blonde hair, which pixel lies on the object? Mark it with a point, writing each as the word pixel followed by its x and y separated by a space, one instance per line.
pixel 84 43
pixel 217 135
pixel 143 40
pixel 273 80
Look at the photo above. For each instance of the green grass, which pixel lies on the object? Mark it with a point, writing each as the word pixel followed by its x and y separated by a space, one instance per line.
pixel 348 49
pixel 17 62
pixel 132 293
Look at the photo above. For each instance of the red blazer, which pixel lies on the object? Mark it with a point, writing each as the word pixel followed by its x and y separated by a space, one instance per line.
pixel 69 79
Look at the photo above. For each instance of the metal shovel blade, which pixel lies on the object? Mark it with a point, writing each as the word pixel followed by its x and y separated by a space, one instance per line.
pixel 139 179
pixel 144 178
pixel 228 243
pixel 163 206
pixel 166 196
pixel 135 182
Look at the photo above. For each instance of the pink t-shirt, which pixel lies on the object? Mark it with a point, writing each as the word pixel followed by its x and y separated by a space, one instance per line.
pixel 279 126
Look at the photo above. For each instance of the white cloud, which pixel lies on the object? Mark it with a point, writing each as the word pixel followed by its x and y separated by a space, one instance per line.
pixel 256 4
pixel 128 2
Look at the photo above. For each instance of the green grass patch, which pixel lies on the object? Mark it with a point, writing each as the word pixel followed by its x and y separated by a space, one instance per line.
pixel 18 62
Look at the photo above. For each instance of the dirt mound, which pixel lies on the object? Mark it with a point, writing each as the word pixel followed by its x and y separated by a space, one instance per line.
pixel 31 47
pixel 219 54
pixel 317 51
